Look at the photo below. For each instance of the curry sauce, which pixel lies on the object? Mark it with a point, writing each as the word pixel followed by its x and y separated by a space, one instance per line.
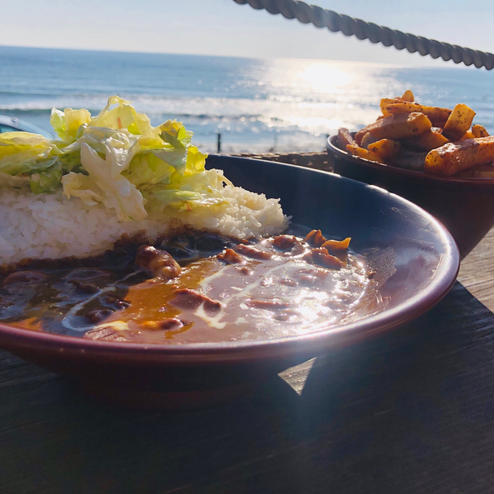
pixel 176 293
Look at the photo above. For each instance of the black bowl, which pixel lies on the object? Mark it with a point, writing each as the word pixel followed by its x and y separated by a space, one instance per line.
pixel 417 253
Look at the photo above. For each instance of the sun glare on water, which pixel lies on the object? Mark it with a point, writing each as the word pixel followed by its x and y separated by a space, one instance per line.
pixel 318 95
pixel 321 77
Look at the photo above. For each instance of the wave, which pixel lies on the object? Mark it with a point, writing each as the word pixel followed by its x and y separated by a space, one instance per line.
pixel 180 104
pixel 26 112
pixel 240 115
pixel 23 94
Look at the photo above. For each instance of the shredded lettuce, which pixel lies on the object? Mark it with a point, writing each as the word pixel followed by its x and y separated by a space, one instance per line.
pixel 104 177
pixel 47 179
pixel 122 116
pixel 23 153
pixel 68 122
pixel 148 169
pixel 116 158
pixel 188 192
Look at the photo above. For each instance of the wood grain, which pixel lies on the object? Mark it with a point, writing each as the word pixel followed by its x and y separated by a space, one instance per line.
pixel 477 271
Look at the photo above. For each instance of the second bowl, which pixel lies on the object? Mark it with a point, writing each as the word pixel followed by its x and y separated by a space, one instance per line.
pixel 464 205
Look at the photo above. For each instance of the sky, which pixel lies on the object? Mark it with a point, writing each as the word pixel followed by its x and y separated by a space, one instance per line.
pixel 222 27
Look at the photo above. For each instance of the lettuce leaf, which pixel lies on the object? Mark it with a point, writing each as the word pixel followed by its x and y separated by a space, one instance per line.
pixel 104 183
pixel 23 153
pixel 123 116
pixel 187 193
pixel 80 185
pixel 68 122
pixel 47 180
pixel 175 133
pixel 147 169
pixel 195 161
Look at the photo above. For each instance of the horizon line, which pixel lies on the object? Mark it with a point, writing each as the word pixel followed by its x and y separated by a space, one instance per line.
pixel 133 52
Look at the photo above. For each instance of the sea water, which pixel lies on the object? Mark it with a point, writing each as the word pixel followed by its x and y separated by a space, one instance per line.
pixel 257 105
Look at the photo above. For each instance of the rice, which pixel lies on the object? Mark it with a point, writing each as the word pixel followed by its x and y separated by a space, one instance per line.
pixel 51 226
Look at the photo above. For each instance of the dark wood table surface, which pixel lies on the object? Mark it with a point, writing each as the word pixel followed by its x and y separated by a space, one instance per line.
pixel 410 411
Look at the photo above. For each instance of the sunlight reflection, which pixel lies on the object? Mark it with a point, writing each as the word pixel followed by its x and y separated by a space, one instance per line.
pixel 318 96
pixel 321 76
pixel 296 376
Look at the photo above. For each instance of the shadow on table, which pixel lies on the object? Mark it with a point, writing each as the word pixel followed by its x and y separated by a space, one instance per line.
pixel 406 412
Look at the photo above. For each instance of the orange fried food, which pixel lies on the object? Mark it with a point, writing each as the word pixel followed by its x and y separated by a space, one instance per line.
pixel 397 126
pixel 458 122
pixel 455 157
pixel 438 116
pixel 479 131
pixel 344 138
pixel 361 152
pixel 431 139
pixel 408 96
pixel 386 149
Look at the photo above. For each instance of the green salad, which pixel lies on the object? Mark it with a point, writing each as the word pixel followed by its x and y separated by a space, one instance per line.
pixel 116 158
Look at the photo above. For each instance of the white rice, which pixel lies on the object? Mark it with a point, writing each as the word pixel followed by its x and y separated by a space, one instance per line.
pixel 50 226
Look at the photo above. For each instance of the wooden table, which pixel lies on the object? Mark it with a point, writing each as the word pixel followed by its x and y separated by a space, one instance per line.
pixel 408 412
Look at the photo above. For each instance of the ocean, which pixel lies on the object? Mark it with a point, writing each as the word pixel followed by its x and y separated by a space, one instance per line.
pixel 256 105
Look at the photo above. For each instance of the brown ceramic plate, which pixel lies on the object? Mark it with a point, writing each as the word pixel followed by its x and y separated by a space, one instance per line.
pixel 464 204
pixel 412 253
